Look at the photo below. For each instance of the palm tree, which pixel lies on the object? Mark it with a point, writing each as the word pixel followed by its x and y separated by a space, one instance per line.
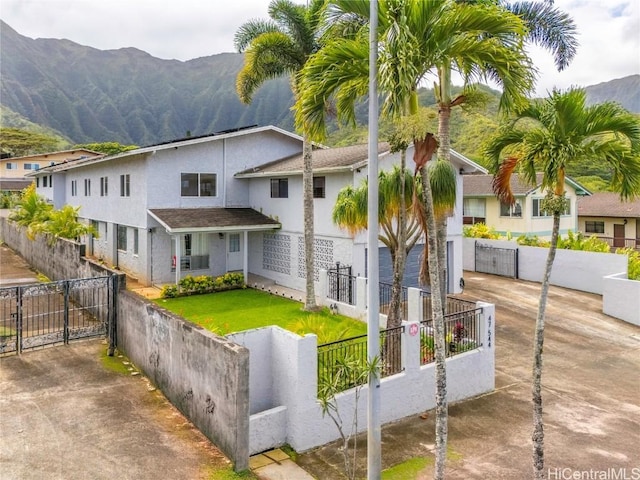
pixel 416 39
pixel 31 211
pixel 548 136
pixel 350 213
pixel 276 47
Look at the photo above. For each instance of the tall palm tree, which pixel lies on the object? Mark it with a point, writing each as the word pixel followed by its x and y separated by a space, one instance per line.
pixel 416 38
pixel 548 136
pixel 273 48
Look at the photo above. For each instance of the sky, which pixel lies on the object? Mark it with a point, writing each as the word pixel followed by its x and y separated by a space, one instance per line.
pixel 608 31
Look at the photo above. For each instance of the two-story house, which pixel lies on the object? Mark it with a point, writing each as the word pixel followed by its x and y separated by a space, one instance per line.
pixel 526 216
pixel 603 214
pixel 224 202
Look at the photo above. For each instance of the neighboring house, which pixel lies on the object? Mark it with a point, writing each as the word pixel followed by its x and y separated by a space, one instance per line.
pixel 526 216
pixel 224 202
pixel 19 167
pixel 606 216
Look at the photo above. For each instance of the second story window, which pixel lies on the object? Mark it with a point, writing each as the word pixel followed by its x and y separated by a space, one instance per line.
pixel 125 181
pixel 12 166
pixel 198 185
pixel 104 186
pixel 31 166
pixel 74 187
pixel 318 187
pixel 87 187
pixel 279 188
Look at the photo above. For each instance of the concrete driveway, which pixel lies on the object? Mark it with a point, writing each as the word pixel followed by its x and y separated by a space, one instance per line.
pixel 591 395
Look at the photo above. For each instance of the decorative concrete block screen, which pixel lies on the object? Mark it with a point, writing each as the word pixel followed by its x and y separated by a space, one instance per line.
pixel 283 385
pixel 205 376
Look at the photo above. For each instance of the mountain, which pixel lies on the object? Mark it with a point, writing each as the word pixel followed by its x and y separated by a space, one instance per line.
pixel 130 97
pixel 127 95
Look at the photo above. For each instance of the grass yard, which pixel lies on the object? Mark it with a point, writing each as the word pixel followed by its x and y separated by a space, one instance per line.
pixel 238 310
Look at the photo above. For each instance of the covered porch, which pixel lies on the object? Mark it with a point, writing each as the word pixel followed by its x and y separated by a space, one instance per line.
pixel 192 231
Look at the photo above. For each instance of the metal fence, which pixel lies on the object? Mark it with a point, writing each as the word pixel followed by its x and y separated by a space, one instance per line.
pixel 461 331
pixel 385 290
pixel 342 285
pixel 454 305
pixel 50 313
pixel 342 364
pixel 496 261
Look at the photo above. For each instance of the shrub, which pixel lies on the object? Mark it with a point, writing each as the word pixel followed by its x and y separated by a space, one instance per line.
pixel 577 241
pixel 633 272
pixel 480 230
pixel 532 241
pixel 190 285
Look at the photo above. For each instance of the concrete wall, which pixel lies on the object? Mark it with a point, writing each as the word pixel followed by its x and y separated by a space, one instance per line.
pixel 205 376
pixel 571 268
pixel 294 416
pixel 62 260
pixel 621 298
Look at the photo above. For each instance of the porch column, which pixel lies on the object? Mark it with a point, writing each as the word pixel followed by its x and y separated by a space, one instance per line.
pixel 178 251
pixel 245 257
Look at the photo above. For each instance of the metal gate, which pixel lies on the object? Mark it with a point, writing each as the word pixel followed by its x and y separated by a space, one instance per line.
pixel 54 313
pixel 341 284
pixel 496 261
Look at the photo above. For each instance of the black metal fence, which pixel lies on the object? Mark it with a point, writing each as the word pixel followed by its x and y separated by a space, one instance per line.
pixel 342 285
pixel 385 290
pixel 341 363
pixel 461 331
pixel 49 313
pixel 454 305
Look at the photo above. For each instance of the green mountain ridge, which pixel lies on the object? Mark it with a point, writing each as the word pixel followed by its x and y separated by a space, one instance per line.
pixel 128 96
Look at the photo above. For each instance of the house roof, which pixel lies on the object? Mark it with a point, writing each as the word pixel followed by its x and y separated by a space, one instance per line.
pixel 181 220
pixel 607 204
pixel 73 153
pixel 324 160
pixel 150 150
pixel 14 184
pixel 335 159
pixel 481 185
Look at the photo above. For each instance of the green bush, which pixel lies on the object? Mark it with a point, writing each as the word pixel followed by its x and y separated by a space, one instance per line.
pixel 577 241
pixel 190 285
pixel 480 230
pixel 532 241
pixel 633 272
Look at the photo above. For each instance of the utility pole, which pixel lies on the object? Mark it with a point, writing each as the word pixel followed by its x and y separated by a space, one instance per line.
pixel 374 456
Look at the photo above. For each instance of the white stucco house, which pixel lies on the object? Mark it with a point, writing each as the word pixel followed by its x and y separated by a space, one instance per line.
pixel 225 202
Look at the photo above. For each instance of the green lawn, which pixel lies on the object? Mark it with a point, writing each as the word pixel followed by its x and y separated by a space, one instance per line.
pixel 237 310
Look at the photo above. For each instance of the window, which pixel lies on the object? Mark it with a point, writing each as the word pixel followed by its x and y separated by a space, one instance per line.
pixel 318 187
pixel 198 185
pixel 38 182
pixel 104 186
pixel 474 210
pixel 124 185
pixel 31 166
pixel 87 187
pixel 50 181
pixel 135 241
pixel 514 210
pixel 12 166
pixel 122 238
pixel 194 251
pixel 594 227
pixel 44 181
pixel 279 188
pixel 539 212
pixel 74 187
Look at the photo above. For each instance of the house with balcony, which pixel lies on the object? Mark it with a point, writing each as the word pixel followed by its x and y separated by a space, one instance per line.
pixel 526 216
pixel 604 215
pixel 231 201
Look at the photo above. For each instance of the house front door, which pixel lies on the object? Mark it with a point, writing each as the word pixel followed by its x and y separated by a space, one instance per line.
pixel 234 252
pixel 618 236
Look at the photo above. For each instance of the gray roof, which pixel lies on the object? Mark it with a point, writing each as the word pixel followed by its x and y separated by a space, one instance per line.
pixel 212 219
pixel 323 159
pixel 481 185
pixel 607 204
pixel 14 184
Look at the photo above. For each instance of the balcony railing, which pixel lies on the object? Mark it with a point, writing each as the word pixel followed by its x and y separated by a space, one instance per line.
pixel 618 242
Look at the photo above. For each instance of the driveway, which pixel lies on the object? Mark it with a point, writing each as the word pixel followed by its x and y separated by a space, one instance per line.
pixel 591 395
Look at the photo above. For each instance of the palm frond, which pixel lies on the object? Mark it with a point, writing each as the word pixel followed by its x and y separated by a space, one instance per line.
pixel 502 181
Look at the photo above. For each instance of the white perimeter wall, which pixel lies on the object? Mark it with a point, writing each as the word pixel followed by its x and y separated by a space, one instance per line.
pixel 621 298
pixel 283 380
pixel 573 269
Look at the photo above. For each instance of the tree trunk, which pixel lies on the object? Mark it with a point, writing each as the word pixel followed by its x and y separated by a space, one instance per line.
pixel 307 182
pixel 538 426
pixel 394 318
pixel 438 323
